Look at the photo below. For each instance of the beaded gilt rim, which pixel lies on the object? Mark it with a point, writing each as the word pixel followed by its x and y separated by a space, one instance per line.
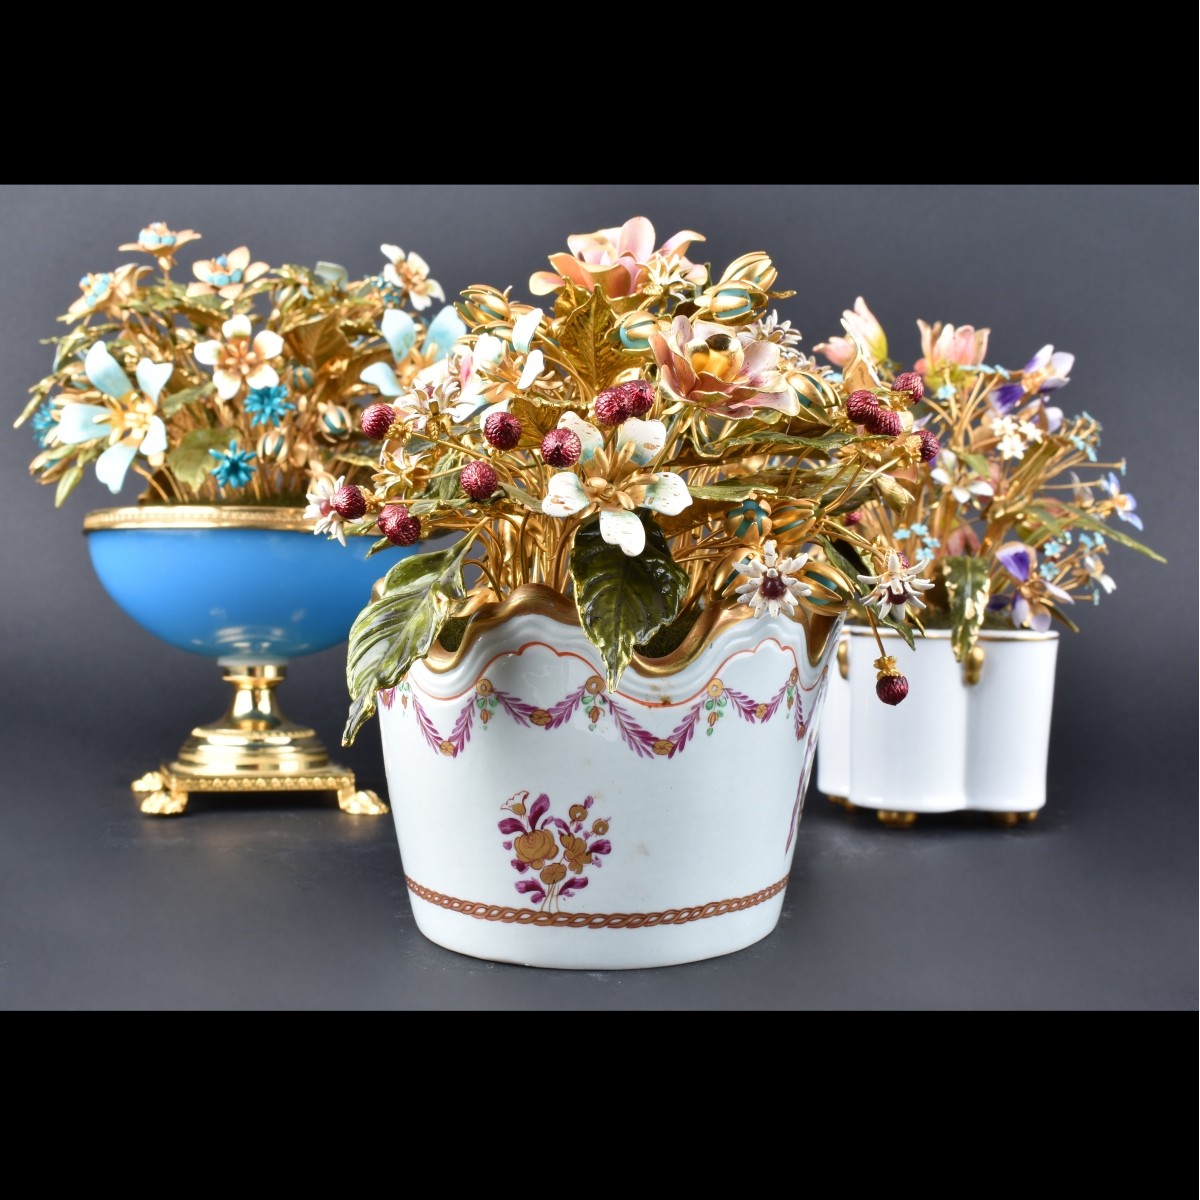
pixel 199 516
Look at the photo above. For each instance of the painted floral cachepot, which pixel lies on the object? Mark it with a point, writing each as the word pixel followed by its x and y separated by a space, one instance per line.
pixel 545 820
pixel 866 757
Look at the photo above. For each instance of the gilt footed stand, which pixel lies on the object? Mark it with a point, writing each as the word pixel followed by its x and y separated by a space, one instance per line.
pixel 252 748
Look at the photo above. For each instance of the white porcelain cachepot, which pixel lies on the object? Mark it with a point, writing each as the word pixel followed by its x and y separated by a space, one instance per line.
pixel 546 821
pixel 973 736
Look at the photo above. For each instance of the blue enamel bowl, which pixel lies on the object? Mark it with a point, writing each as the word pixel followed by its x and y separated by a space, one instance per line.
pixel 233 582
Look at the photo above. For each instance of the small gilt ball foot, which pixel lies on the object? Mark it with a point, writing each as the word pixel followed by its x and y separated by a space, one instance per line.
pixel 364 803
pixel 842 802
pixel 1011 819
pixel 896 820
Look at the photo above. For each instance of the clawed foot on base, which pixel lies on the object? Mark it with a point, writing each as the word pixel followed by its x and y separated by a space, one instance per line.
pixel 842 802
pixel 364 803
pixel 896 820
pixel 158 799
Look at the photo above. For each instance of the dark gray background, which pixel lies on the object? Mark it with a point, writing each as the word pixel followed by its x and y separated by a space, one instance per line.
pixel 251 905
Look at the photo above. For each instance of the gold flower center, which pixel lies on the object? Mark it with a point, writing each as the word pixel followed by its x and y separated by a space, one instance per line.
pixel 607 494
pixel 719 355
pixel 240 357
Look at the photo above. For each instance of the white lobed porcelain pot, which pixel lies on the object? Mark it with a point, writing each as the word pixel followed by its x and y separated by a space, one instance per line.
pixel 952 744
pixel 544 821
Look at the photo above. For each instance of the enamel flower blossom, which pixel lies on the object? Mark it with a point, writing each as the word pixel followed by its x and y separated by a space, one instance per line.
pixel 729 373
pixel 237 360
pixel 772 584
pixel 409 273
pixel 161 241
pixel 614 485
pixel 621 262
pixel 104 290
pixel 227 275
pixel 897 586
pixel 320 507
pixel 963 483
pixel 130 424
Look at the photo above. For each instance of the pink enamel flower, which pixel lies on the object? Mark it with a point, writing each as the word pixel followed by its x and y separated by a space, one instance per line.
pixel 859 322
pixel 730 374
pixel 620 261
pixel 236 359
pixel 949 346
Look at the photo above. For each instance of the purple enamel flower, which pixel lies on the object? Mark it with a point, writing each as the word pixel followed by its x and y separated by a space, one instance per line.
pixel 1046 371
pixel 1031 606
pixel 1017 559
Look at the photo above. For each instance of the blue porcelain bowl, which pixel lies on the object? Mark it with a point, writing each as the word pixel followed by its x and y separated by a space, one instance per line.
pixel 232 582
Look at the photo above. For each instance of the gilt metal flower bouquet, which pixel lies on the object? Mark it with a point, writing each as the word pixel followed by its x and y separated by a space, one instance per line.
pixel 1008 499
pixel 240 385
pixel 649 445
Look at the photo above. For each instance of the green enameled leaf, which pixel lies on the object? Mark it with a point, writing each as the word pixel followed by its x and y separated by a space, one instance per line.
pixel 391 633
pixel 967 586
pixel 623 600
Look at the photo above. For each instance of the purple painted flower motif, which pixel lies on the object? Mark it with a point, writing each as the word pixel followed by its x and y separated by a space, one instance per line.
pixel 1123 503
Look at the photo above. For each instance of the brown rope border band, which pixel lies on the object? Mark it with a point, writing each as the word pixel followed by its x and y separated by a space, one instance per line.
pixel 529 916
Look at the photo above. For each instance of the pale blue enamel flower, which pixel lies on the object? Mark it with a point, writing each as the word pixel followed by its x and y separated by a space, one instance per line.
pixel 234 468
pixel 1083 447
pixel 131 425
pixel 400 332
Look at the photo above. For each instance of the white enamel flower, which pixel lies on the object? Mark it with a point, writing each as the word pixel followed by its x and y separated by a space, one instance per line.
pixel 771 582
pixel 496 369
pixel 236 359
pixel 1093 564
pixel 132 424
pixel 410 272
pixel 1013 443
pixel 320 505
pixel 613 484
pixel 897 586
pixel 964 484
